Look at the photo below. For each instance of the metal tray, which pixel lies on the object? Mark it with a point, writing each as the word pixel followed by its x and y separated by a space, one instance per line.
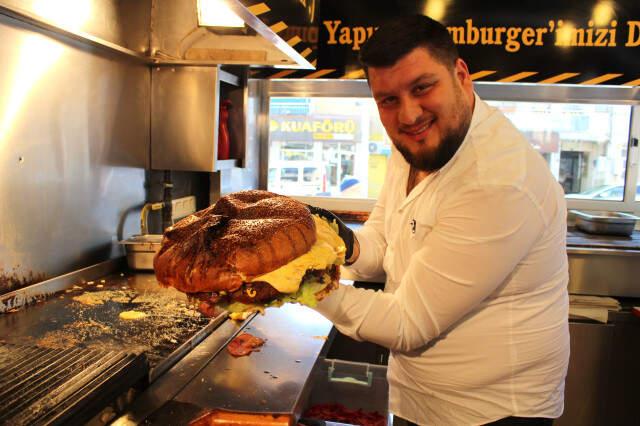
pixel 141 250
pixel 604 222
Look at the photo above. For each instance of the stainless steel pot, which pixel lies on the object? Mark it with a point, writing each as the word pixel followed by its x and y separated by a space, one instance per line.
pixel 141 249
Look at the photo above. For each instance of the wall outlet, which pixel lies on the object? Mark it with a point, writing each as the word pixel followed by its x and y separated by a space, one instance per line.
pixel 182 207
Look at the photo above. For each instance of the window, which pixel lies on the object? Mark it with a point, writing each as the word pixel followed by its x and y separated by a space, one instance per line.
pixel 329 130
pixel 310 174
pixel 296 151
pixel 341 137
pixel 585 145
pixel 289 174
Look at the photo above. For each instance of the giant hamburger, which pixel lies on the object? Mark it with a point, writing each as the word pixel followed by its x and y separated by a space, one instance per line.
pixel 251 250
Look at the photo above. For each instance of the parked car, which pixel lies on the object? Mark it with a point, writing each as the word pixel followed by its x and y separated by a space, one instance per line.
pixel 603 192
pixel 297 178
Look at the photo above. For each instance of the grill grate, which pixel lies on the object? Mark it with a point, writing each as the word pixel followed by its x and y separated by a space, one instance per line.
pixel 55 386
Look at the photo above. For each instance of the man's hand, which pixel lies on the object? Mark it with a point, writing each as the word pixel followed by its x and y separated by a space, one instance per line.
pixel 345 233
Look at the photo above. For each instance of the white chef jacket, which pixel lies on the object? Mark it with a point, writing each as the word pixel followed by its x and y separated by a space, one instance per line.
pixel 475 306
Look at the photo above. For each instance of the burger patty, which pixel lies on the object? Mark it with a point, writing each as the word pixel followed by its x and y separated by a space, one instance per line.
pixel 261 292
pixel 254 292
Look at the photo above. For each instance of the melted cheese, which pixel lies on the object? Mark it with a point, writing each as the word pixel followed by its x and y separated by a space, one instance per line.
pixel 132 315
pixel 328 249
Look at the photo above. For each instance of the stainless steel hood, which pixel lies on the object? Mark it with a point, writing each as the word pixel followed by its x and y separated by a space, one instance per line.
pixel 164 31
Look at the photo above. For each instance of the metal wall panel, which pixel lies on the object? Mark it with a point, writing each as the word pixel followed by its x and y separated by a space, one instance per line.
pixel 185 112
pixel 74 141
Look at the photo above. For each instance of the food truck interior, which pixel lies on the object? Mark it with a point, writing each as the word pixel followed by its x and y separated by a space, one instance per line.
pixel 118 118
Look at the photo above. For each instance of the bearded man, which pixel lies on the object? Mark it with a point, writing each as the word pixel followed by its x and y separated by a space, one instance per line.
pixel 470 230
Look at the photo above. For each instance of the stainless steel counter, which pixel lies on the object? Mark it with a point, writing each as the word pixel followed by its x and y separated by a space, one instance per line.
pixel 274 380
pixel 603 265
pixel 604 272
pixel 579 239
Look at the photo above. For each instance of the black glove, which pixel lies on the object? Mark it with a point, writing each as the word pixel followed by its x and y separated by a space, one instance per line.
pixel 345 233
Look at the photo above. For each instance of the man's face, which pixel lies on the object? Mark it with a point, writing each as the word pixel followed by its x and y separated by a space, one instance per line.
pixel 424 106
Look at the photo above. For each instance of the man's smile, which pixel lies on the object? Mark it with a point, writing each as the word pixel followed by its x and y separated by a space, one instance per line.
pixel 420 131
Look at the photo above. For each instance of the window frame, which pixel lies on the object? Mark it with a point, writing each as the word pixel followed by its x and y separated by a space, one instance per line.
pixel 520 92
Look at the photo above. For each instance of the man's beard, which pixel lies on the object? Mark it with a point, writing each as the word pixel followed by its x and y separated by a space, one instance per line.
pixel 432 160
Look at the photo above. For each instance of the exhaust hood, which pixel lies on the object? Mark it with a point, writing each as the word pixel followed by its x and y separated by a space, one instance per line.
pixel 171 32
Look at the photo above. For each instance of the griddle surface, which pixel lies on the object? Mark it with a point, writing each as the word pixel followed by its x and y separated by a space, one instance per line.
pixel 88 316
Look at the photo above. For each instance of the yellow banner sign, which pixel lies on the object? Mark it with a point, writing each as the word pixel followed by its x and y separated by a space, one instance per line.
pixel 304 128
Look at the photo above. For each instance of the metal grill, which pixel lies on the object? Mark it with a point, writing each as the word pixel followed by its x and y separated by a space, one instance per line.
pixel 62 386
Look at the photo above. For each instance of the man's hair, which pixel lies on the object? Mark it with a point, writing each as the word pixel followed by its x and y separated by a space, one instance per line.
pixel 396 38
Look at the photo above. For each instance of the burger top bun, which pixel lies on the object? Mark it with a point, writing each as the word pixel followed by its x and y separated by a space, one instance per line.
pixel 243 235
